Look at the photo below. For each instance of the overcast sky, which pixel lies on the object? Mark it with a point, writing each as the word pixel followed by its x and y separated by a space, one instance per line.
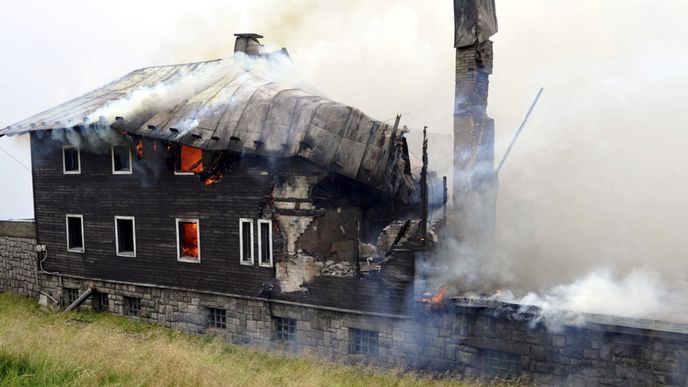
pixel 603 158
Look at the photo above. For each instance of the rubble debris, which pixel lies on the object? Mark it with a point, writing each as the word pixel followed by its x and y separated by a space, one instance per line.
pixel 342 269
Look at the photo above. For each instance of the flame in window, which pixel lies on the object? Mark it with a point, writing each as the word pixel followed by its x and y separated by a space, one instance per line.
pixel 139 149
pixel 191 159
pixel 189 239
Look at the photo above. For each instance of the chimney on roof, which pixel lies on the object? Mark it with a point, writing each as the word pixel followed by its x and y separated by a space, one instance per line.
pixel 248 44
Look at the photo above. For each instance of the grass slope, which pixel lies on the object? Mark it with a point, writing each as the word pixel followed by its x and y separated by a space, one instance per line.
pixel 39 347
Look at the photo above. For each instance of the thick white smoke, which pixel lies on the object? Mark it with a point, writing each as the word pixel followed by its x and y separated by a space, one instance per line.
pixel 594 185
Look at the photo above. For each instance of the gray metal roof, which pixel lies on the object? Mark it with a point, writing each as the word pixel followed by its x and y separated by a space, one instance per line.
pixel 241 105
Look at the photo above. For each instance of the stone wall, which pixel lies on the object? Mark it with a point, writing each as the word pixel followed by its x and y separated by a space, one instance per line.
pixel 17 257
pixel 470 338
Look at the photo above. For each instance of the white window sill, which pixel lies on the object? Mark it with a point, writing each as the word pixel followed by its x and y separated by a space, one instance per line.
pixel 189 260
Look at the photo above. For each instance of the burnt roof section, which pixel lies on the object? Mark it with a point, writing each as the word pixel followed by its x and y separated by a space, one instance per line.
pixel 237 104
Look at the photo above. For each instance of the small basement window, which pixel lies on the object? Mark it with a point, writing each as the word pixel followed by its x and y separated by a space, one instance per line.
pixel 132 306
pixel 285 329
pixel 188 160
pixel 125 236
pixel 217 318
pixel 363 342
pixel 265 242
pixel 188 240
pixel 75 233
pixel 121 159
pixel 99 302
pixel 70 295
pixel 246 241
pixel 71 160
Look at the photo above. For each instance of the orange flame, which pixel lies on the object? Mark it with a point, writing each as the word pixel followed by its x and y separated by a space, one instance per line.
pixel 213 179
pixel 139 149
pixel 189 238
pixel 191 159
pixel 438 297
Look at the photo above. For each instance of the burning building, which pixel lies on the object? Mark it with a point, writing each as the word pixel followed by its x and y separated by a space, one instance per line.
pixel 215 176
pixel 222 197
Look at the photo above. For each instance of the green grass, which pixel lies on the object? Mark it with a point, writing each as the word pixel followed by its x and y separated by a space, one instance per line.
pixel 39 347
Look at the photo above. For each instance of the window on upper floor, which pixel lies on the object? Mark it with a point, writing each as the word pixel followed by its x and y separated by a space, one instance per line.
pixel 188 160
pixel 71 160
pixel 75 233
pixel 246 241
pixel 188 241
pixel 125 236
pixel 265 242
pixel 121 159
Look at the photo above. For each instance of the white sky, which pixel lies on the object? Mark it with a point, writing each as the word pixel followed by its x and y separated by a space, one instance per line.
pixel 604 153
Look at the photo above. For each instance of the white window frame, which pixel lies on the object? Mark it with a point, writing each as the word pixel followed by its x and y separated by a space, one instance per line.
pixel 260 242
pixel 122 172
pixel 83 242
pixel 241 242
pixel 198 238
pixel 64 161
pixel 133 230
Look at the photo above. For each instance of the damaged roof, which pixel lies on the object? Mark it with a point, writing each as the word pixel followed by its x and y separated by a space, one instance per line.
pixel 242 104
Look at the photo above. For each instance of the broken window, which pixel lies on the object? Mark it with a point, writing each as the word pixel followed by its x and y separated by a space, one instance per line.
pixel 188 240
pixel 285 329
pixel 75 233
pixel 125 237
pixel 132 306
pixel 265 242
pixel 100 302
pixel 71 160
pixel 121 159
pixel 188 160
pixel 217 318
pixel 246 241
pixel 363 342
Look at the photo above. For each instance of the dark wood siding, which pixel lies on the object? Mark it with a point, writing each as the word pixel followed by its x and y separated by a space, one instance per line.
pixel 155 196
pixel 155 202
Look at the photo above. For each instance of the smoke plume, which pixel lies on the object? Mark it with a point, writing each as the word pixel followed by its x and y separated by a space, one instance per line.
pixel 593 193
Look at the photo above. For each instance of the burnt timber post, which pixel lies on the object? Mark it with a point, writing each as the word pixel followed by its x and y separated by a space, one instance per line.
pixel 475 184
pixel 424 191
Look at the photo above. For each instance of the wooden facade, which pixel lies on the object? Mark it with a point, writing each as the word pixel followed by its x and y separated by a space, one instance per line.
pixel 156 197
